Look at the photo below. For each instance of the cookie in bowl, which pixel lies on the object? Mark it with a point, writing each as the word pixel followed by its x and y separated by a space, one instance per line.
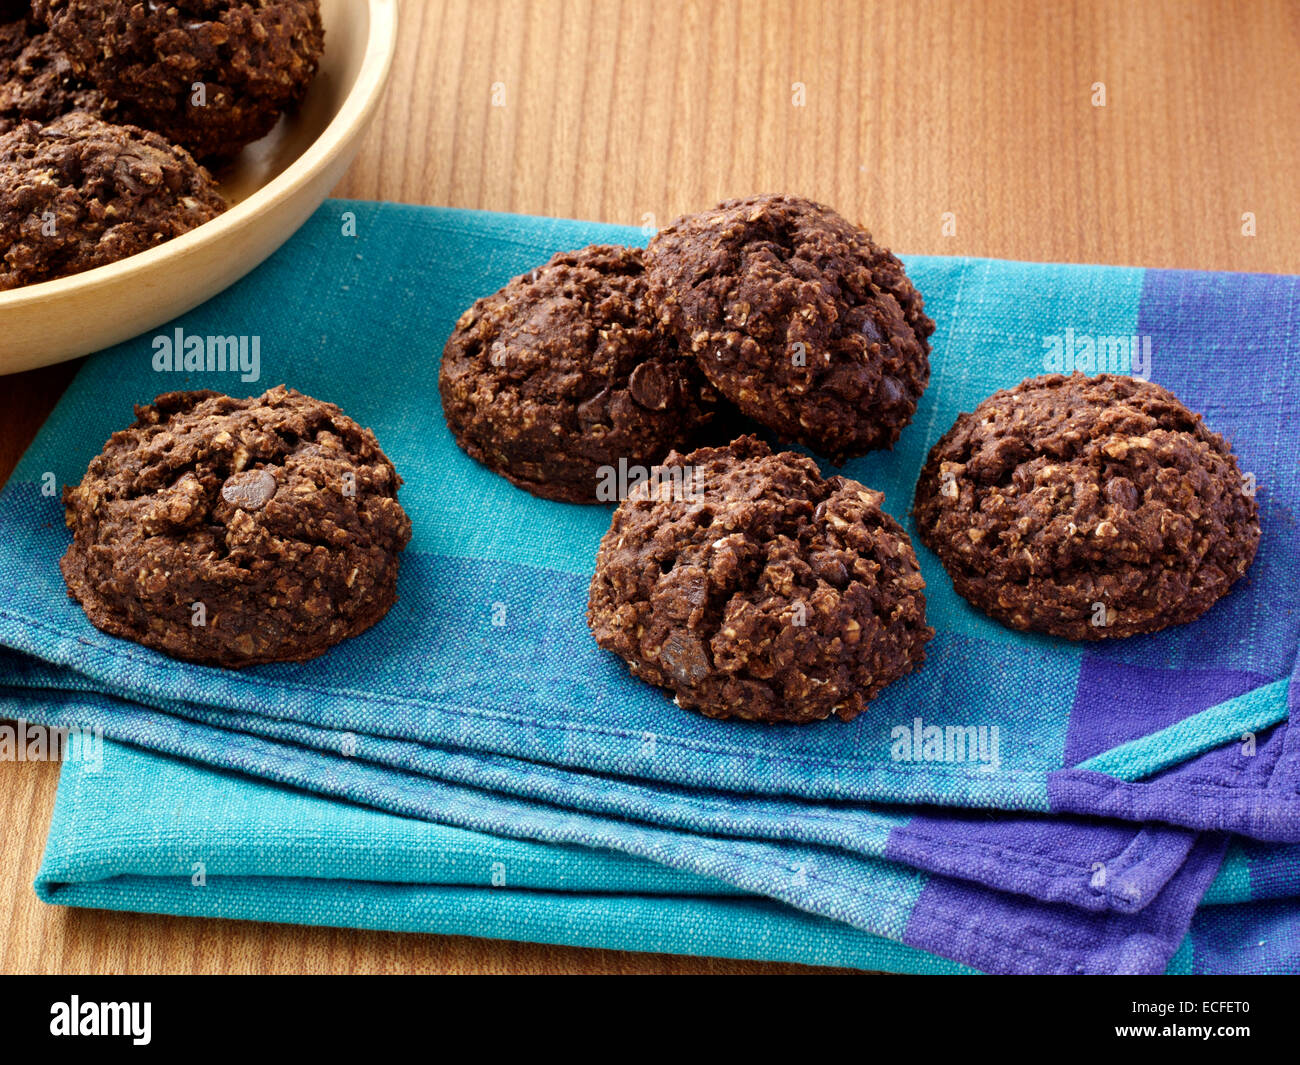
pixel 80 192
pixel 36 79
pixel 211 75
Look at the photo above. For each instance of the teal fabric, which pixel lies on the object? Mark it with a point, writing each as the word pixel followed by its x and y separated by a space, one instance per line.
pixel 527 730
pixel 353 321
pixel 134 833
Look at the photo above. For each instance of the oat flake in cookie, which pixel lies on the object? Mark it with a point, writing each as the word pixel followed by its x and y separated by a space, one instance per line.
pixel 80 193
pixel 798 318
pixel 273 520
pixel 554 379
pixel 1087 507
pixel 751 587
pixel 253 58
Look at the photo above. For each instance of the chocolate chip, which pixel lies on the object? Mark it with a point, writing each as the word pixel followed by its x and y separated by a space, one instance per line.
pixel 830 569
pixel 684 657
pixel 685 589
pixel 651 386
pixel 890 391
pixel 250 489
pixel 1121 491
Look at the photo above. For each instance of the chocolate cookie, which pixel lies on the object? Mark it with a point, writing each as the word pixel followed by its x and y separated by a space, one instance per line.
pixel 1087 507
pixel 211 75
pixel 554 379
pixel 80 192
pixel 750 587
pixel 36 79
pixel 236 531
pixel 798 318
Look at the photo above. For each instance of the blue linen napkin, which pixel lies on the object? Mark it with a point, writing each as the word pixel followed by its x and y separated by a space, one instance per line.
pixel 145 832
pixel 443 710
pixel 990 930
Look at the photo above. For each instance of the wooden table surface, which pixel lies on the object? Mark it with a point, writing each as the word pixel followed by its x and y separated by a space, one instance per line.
pixel 944 127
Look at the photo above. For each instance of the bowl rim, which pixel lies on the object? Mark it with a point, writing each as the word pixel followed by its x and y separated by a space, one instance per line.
pixel 362 98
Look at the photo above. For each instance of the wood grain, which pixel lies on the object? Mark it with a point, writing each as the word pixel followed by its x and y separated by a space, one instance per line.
pixel 635 111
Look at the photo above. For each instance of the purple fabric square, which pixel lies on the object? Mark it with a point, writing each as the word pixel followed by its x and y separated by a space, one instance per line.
pixel 1087 863
pixel 1007 934
pixel 1251 787
pixel 1115 703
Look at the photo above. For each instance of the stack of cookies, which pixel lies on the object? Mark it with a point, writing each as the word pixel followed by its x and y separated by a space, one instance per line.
pixel 772 308
pixel 743 581
pixel 751 586
pixel 109 108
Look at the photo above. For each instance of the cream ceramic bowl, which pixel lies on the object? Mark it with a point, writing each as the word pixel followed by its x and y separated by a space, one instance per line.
pixel 273 187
